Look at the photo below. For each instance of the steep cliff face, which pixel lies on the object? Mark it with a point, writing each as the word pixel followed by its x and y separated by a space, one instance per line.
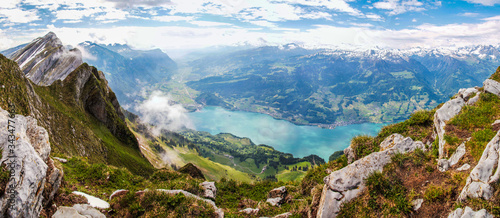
pixel 46 60
pixel 81 115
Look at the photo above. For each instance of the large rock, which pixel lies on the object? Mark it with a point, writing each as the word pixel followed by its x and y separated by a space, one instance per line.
pixel 450 109
pixel 469 213
pixel 492 86
pixel 486 172
pixel 210 191
pixel 277 196
pixel 28 168
pixel 445 164
pixel 78 211
pixel 347 183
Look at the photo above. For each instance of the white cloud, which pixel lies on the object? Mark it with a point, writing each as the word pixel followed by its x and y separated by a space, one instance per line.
pixel 468 14
pixel 9 3
pixel 485 2
pixel 338 5
pixel 396 7
pixel 16 15
pixel 414 20
pixel 113 15
pixel 173 18
pixel 209 23
pixel 159 111
pixel 373 16
pixel 76 14
pixel 495 18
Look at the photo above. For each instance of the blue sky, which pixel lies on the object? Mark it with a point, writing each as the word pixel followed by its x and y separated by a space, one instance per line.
pixel 174 25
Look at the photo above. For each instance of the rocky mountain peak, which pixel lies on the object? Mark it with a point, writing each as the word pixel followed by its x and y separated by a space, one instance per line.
pixel 45 59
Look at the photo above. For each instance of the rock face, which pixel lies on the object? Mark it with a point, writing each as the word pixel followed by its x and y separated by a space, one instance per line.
pixel 345 184
pixel 210 191
pixel 78 211
pixel 349 153
pixel 283 215
pixel 417 203
pixel 450 109
pixel 492 86
pixel 28 168
pixel 486 172
pixel 445 164
pixel 468 212
pixel 277 196
pixel 46 60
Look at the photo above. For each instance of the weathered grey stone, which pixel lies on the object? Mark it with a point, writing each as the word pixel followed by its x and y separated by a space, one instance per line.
pixel 276 197
pixel 464 167
pixel 210 191
pixel 62 160
pixel 283 215
pixel 29 166
pixel 491 86
pixel 349 154
pixel 390 141
pixel 473 100
pixel 457 155
pixel 450 109
pixel 88 211
pixel 274 201
pixel 417 203
pixel 67 212
pixel 250 211
pixel 467 93
pixel 469 213
pixel 487 171
pixel 444 164
pixel 345 184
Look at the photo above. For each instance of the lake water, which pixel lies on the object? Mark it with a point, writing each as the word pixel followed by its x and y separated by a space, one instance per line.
pixel 282 135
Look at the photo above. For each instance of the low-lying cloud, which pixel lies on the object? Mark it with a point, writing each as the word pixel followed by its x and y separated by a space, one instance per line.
pixel 163 114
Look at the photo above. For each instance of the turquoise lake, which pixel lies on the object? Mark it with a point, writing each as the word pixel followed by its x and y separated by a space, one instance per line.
pixel 282 135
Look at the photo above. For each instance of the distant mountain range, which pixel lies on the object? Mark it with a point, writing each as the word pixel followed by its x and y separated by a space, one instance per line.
pixel 325 87
pixel 338 86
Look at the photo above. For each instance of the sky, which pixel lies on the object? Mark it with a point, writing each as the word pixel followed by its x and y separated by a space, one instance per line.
pixel 177 25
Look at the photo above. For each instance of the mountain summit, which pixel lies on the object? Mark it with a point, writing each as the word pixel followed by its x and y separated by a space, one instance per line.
pixel 45 59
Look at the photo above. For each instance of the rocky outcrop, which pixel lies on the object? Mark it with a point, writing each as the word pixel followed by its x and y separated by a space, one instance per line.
pixel 26 164
pixel 349 154
pixel 53 181
pixel 445 164
pixel 277 196
pixel 46 60
pixel 464 167
pixel 450 109
pixel 78 211
pixel 347 183
pixel 250 211
pixel 486 172
pixel 492 86
pixel 468 212
pixel 209 190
